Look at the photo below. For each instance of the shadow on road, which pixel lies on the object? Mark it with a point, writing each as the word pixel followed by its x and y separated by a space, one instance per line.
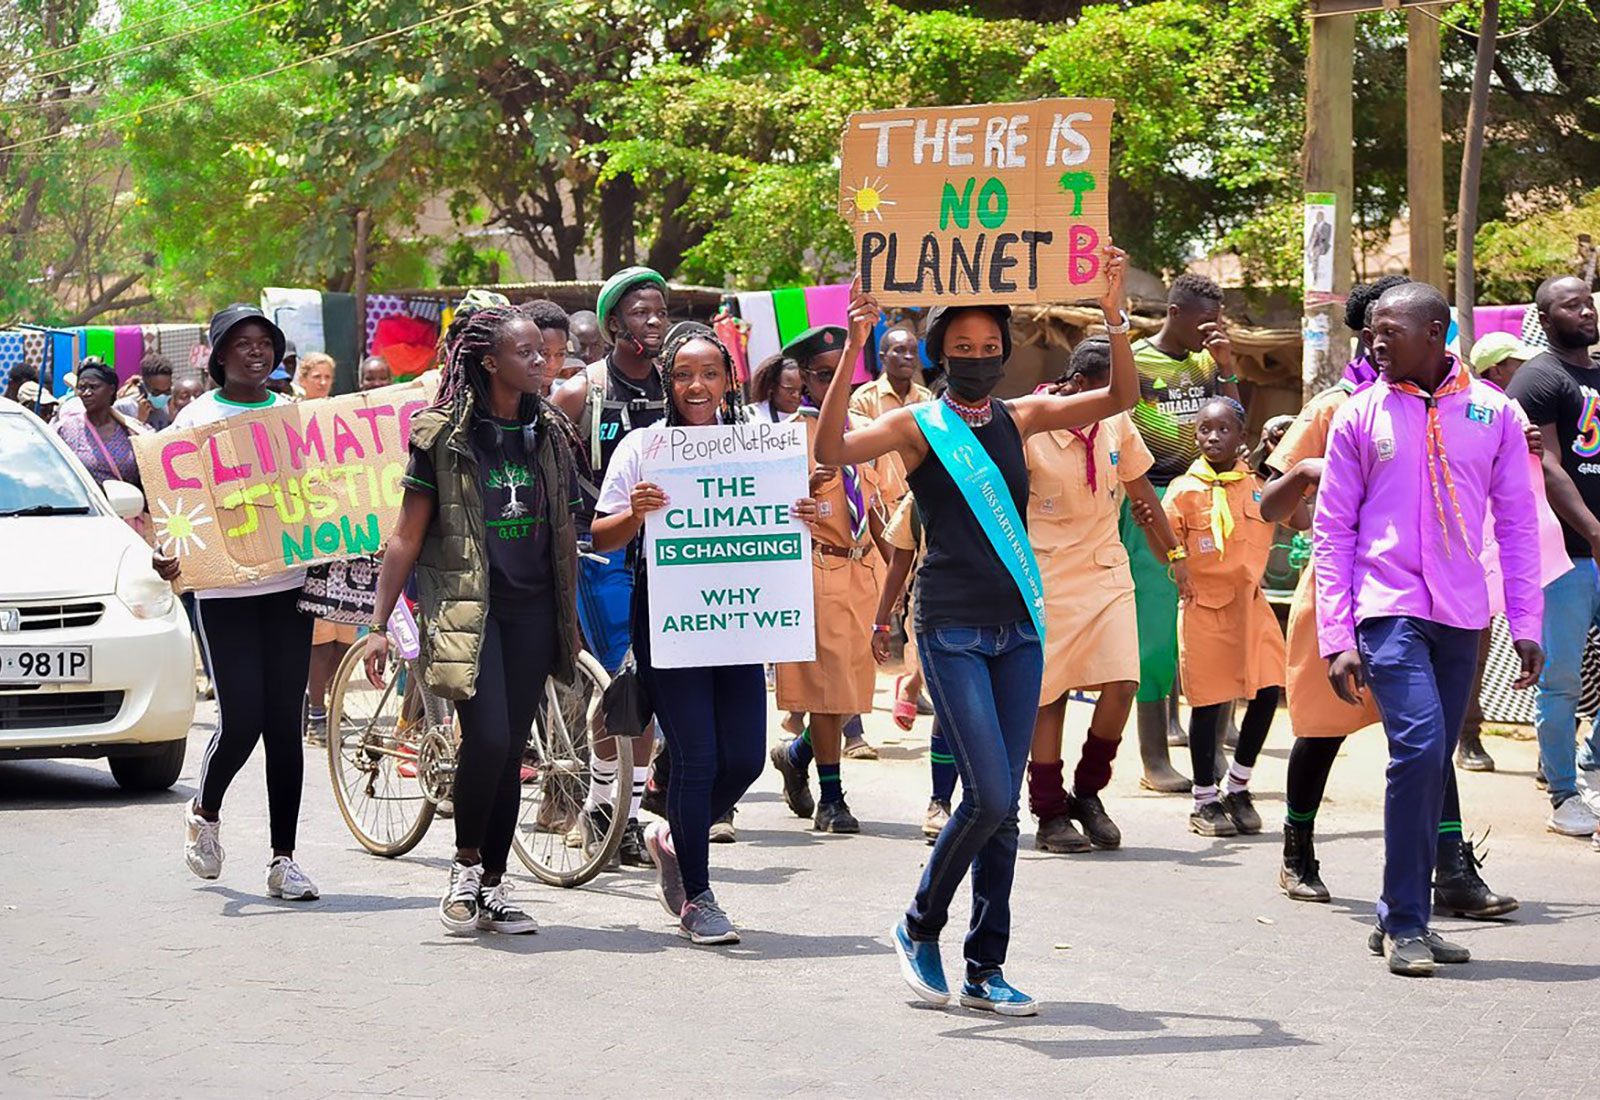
pixel 43 784
pixel 237 903
pixel 1137 1033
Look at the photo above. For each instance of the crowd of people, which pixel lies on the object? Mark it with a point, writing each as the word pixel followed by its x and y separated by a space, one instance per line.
pixel 1103 537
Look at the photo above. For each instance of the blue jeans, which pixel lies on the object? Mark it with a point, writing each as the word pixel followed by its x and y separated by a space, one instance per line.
pixel 985 687
pixel 1420 674
pixel 605 596
pixel 1571 607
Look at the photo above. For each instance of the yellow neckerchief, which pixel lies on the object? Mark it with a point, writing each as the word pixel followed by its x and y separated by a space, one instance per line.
pixel 1221 514
pixel 1455 382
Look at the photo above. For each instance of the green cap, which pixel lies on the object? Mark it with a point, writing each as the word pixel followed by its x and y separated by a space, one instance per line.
pixel 815 341
pixel 618 286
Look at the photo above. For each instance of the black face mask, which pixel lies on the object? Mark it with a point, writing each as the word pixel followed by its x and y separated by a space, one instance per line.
pixel 973 379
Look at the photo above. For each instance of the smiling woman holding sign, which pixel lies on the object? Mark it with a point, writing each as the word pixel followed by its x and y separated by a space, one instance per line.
pixel 980 607
pixel 714 718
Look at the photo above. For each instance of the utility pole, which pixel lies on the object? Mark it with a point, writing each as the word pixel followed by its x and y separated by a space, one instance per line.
pixel 1329 170
pixel 1471 171
pixel 1425 146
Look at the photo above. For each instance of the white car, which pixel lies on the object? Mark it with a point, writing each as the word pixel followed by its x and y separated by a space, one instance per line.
pixel 96 657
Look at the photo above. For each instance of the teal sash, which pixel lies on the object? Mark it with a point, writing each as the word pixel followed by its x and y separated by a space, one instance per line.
pixel 987 494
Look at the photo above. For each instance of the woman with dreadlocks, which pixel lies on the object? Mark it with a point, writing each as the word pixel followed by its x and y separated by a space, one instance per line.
pixel 713 718
pixel 486 521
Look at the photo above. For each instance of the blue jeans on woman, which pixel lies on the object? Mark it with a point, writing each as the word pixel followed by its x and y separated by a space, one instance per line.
pixel 984 682
pixel 1571 607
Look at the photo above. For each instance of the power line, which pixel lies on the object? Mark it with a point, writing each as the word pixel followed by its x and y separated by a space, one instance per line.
pixel 175 36
pixel 180 100
pixel 41 55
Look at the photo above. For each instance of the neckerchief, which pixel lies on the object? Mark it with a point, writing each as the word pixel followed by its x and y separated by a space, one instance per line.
pixel 1087 439
pixel 1221 513
pixel 852 485
pixel 1438 461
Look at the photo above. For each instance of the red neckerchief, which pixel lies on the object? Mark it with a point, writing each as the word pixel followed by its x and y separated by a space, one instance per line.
pixel 1087 439
pixel 1438 461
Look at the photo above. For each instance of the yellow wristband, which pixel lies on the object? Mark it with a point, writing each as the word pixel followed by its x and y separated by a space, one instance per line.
pixel 1176 554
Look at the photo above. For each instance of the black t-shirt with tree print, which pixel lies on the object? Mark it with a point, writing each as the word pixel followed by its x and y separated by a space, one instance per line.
pixel 521 572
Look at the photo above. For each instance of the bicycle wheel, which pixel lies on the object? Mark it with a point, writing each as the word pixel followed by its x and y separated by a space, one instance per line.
pixel 381 749
pixel 555 780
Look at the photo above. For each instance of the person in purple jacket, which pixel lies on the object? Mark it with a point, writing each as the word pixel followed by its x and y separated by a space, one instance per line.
pixel 1413 461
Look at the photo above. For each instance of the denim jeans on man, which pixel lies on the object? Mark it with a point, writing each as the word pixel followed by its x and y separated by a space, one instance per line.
pixel 1571 607
pixel 985 687
pixel 1420 674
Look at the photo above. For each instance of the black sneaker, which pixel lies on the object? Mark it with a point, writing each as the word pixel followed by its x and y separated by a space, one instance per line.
pixel 593 825
pixel 1241 808
pixel 1442 950
pixel 497 913
pixel 1212 820
pixel 1090 812
pixel 722 830
pixel 458 909
pixel 1459 889
pixel 654 800
pixel 835 817
pixel 1298 874
pixel 1057 834
pixel 796 785
pixel 631 852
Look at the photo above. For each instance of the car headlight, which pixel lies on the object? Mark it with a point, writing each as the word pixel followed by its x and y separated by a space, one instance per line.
pixel 141 589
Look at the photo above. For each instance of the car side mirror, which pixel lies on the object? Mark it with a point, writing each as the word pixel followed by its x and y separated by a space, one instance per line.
pixel 125 500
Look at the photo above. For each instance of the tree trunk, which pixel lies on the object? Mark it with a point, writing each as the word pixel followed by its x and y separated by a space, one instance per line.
pixel 1471 171
pixel 618 200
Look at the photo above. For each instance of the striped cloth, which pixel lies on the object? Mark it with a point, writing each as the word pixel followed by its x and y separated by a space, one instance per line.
pixel 755 308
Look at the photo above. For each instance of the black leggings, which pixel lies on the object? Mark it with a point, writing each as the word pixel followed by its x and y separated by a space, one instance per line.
pixel 259 650
pixel 1310 761
pixel 513 664
pixel 1205 726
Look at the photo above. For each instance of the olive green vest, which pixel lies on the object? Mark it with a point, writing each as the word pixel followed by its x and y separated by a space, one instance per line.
pixel 453 567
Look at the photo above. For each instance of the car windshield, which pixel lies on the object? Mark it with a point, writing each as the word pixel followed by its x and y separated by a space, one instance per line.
pixel 35 478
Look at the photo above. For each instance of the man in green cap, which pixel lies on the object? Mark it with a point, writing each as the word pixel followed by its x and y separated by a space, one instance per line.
pixel 607 400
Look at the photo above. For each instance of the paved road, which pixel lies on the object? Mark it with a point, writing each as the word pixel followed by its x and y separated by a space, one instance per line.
pixel 1173 965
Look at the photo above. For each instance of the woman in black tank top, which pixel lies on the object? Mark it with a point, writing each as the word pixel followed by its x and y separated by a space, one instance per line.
pixel 981 651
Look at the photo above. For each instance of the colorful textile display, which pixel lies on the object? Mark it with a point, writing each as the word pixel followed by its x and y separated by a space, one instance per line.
pixel 732 332
pixel 101 343
pixel 128 340
pixel 775 317
pixel 830 305
pixel 379 307
pixel 789 304
pixel 755 307
pixel 407 343
pixel 13 353
pixel 178 344
pixel 65 349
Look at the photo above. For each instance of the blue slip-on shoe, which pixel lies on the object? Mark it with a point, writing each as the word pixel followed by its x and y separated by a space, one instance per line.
pixel 920 965
pixel 996 995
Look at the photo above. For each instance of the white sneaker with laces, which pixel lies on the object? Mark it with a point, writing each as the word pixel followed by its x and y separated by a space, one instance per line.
pixel 1573 818
pixel 286 880
pixel 202 847
pixel 496 913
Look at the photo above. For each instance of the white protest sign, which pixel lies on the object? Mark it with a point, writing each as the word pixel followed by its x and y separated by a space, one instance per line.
pixel 729 567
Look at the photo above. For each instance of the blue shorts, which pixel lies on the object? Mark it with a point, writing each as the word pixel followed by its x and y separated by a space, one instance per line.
pixel 605 599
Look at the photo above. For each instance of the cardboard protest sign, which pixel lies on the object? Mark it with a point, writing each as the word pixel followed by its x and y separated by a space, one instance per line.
pixel 1000 202
pixel 729 565
pixel 265 492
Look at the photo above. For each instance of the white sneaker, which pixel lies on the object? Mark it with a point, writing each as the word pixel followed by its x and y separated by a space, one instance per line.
pixel 1573 818
pixel 202 846
pixel 286 880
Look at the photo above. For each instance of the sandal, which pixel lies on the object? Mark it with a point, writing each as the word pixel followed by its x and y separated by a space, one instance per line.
pixel 860 750
pixel 904 710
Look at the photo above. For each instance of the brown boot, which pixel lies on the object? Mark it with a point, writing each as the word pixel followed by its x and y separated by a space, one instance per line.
pixel 1159 774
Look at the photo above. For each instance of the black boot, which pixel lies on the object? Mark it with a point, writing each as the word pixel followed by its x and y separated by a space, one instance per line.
pixel 1457 886
pixel 1159 774
pixel 1177 734
pixel 1470 753
pixel 1298 878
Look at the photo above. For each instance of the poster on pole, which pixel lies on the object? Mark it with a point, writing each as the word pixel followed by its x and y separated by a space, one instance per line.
pixel 729 567
pixel 997 202
pixel 1317 244
pixel 262 493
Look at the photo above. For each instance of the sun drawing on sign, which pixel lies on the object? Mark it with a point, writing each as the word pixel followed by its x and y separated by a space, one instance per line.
pixel 869 200
pixel 177 529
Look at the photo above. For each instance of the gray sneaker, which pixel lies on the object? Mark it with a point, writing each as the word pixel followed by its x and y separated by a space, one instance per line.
pixel 1442 950
pixel 669 880
pixel 1410 957
pixel 704 922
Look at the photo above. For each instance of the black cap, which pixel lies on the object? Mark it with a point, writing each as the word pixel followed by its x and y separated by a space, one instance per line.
pixel 225 321
pixel 815 341
pixel 939 318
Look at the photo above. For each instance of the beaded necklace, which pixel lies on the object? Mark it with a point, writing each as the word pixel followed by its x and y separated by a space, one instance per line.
pixel 976 416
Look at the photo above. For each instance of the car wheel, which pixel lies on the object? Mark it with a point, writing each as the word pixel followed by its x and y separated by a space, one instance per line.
pixel 155 771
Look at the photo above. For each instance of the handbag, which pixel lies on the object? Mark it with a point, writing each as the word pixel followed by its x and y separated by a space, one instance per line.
pixel 626 703
pixel 343 592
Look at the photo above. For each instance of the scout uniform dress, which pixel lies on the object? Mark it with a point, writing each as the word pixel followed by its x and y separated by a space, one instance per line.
pixel 1075 494
pixel 846 581
pixel 1314 710
pixel 1229 644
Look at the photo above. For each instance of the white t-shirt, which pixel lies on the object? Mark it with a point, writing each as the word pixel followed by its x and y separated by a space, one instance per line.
pixel 209 408
pixel 624 472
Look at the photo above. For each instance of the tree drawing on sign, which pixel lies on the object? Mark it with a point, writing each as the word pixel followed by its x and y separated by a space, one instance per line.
pixel 512 478
pixel 1079 184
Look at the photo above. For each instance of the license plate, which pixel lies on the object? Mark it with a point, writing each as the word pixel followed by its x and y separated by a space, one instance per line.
pixel 45 664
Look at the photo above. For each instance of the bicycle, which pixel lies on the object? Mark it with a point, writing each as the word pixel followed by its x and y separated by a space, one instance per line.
pixel 392 760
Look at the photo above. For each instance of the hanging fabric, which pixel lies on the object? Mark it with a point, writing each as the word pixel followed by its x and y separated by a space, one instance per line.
pixel 755 308
pixel 129 343
pixel 342 339
pixel 63 360
pixel 13 352
pixel 101 342
pixel 830 305
pixel 789 304
pixel 299 314
pixel 379 306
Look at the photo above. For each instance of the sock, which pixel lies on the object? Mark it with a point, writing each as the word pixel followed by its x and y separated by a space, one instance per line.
pixel 828 779
pixel 641 776
pixel 852 728
pixel 800 752
pixel 1202 795
pixel 942 764
pixel 1302 821
pixel 602 774
pixel 1238 778
pixel 1047 798
pixel 316 713
pixel 1094 766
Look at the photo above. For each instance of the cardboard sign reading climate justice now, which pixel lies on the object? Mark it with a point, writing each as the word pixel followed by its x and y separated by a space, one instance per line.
pixel 1000 202
pixel 265 492
pixel 729 565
